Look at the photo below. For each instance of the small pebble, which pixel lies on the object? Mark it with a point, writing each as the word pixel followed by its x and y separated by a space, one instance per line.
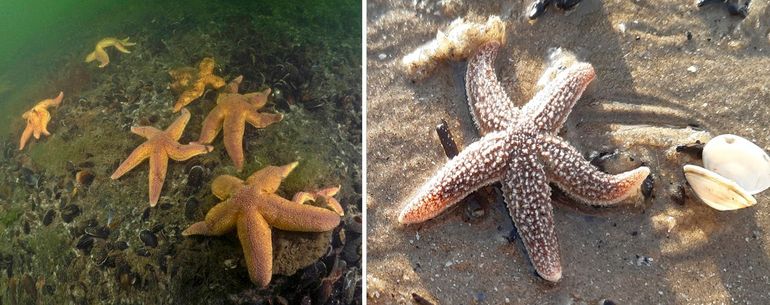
pixel 692 69
pixel 382 56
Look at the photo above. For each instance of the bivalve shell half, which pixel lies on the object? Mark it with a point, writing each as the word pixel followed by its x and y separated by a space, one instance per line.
pixel 718 192
pixel 739 160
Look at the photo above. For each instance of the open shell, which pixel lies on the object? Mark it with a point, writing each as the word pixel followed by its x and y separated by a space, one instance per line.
pixel 739 160
pixel 718 192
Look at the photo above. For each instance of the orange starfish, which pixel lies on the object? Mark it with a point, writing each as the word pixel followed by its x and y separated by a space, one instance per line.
pixel 100 55
pixel 38 118
pixel 252 207
pixel 160 146
pixel 231 113
pixel 192 83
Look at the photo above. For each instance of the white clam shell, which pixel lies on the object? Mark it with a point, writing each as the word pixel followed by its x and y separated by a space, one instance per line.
pixel 739 160
pixel 718 192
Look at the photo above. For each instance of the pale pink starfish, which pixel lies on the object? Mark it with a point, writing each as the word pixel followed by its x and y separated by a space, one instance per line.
pixel 520 148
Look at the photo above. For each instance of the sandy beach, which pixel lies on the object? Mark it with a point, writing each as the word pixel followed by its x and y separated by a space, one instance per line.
pixel 668 74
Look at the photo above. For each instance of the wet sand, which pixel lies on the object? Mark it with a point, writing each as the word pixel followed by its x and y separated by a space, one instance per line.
pixel 652 83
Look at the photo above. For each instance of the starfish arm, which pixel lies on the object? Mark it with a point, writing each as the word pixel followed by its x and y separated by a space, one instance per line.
pixel 177 127
pixel 549 108
pixel 527 194
pixel 328 194
pixel 25 136
pixel 188 96
pixel 91 57
pixel 181 152
pixel 486 95
pixel 225 186
pixel 262 120
pixel 232 86
pixel 269 178
pixel 206 66
pixel 258 99
pixel 55 102
pixel 45 118
pixel 198 228
pixel 137 156
pixel 329 191
pixel 212 124
pixel 158 168
pixel 479 164
pixel 146 132
pixel 122 47
pixel 255 236
pixel 302 197
pixel 127 43
pixel 287 215
pixel 101 56
pixel 219 220
pixel 214 81
pixel 581 180
pixel 233 129
pixel 335 206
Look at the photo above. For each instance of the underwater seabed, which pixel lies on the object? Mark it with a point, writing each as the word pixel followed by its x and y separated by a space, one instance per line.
pixel 74 236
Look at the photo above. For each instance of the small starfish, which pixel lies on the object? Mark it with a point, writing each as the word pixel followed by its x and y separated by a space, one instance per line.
pixel 100 55
pixel 231 113
pixel 520 148
pixel 192 83
pixel 327 194
pixel 38 118
pixel 160 146
pixel 252 207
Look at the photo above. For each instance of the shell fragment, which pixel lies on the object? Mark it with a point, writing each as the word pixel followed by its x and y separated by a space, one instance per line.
pixel 718 192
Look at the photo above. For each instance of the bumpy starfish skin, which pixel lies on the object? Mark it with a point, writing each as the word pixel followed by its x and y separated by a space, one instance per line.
pixel 100 55
pixel 159 147
pixel 192 83
pixel 37 119
pixel 519 147
pixel 231 113
pixel 252 207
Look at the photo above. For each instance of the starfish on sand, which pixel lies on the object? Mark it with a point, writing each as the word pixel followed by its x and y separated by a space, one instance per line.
pixel 100 55
pixel 252 207
pixel 159 147
pixel 231 113
pixel 192 82
pixel 520 148
pixel 37 119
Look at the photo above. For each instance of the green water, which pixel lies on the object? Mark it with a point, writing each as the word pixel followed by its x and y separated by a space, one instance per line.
pixel 308 52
